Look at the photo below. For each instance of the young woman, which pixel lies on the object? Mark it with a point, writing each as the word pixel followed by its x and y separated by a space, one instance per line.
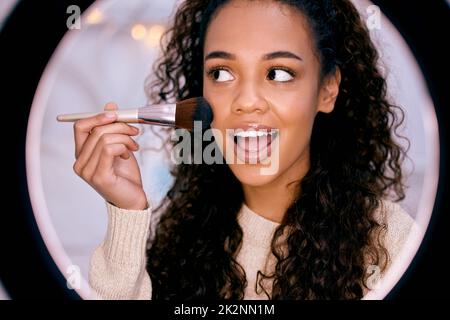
pixel 318 226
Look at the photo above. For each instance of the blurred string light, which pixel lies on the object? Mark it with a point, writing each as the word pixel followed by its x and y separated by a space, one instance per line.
pixel 95 16
pixel 138 32
pixel 149 35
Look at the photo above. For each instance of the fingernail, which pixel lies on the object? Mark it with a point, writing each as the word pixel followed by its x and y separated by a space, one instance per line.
pixel 110 115
pixel 136 130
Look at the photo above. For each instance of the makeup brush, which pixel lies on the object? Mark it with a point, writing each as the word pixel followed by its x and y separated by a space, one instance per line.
pixel 181 114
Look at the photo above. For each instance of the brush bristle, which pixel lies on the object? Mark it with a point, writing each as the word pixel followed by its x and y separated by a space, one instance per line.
pixel 193 109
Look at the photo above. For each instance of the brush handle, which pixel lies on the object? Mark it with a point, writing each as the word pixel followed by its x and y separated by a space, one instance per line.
pixel 130 116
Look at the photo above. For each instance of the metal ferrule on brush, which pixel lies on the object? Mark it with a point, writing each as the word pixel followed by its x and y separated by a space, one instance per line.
pixel 161 114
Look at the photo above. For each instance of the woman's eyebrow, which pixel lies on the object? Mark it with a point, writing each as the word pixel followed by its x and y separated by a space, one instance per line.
pixel 281 54
pixel 267 56
pixel 220 55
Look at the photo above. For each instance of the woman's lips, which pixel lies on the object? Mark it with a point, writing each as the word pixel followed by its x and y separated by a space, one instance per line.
pixel 247 126
pixel 252 146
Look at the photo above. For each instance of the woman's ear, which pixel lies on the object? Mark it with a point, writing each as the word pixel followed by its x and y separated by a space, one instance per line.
pixel 329 91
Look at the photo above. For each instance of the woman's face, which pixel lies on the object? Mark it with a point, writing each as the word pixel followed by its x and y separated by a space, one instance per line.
pixel 261 70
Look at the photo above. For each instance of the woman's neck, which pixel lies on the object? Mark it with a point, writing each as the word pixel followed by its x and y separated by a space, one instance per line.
pixel 271 200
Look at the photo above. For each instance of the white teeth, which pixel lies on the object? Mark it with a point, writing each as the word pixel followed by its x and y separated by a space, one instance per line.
pixel 251 134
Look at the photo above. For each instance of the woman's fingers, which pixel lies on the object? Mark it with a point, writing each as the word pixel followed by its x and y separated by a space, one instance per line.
pixel 100 143
pixel 87 167
pixel 96 135
pixel 83 127
pixel 111 106
pixel 104 173
pixel 105 177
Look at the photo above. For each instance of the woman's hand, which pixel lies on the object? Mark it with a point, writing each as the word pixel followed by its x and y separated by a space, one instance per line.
pixel 105 160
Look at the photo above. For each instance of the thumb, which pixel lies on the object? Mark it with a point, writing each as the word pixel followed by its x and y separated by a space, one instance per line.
pixel 111 106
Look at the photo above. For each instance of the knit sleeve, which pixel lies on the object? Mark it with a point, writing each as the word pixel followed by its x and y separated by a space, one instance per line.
pixel 118 265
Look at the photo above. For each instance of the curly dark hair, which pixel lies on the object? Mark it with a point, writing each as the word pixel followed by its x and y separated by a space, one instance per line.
pixel 355 162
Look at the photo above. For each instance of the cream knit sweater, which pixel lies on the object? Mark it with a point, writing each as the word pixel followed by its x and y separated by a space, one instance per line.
pixel 118 265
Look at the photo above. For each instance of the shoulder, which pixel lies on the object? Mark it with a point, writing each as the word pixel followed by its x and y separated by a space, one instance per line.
pixel 398 228
pixel 397 224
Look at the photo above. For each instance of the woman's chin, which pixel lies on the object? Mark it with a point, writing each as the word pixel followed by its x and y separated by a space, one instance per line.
pixel 252 174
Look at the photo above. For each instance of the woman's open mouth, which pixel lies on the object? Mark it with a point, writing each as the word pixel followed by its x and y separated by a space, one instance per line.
pixel 253 146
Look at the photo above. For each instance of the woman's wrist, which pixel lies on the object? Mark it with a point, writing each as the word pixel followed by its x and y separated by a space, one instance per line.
pixel 138 206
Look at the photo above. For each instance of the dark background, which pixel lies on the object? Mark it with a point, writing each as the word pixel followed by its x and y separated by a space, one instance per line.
pixel 26 268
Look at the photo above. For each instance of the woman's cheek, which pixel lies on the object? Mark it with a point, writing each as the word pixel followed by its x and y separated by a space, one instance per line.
pixel 297 130
pixel 217 106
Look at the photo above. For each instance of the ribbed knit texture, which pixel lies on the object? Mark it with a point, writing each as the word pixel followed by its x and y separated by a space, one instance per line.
pixel 117 269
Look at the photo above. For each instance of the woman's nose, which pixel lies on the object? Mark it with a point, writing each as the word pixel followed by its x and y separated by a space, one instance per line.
pixel 249 100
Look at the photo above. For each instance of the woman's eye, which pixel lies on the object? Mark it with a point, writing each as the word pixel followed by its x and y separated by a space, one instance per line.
pixel 280 75
pixel 220 75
